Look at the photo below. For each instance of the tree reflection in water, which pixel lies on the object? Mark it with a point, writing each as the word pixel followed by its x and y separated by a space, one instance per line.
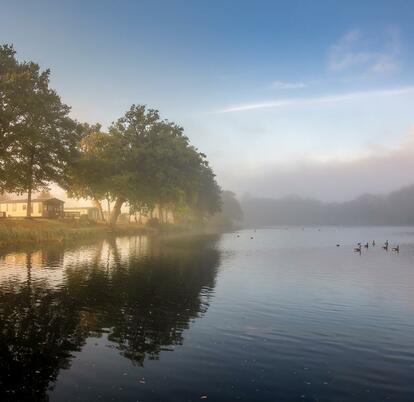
pixel 142 293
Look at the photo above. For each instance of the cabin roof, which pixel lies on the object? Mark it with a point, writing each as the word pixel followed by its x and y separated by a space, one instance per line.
pixel 33 200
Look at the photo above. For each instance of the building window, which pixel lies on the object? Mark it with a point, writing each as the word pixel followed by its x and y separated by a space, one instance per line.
pixel 24 207
pixel 39 207
pixel 14 207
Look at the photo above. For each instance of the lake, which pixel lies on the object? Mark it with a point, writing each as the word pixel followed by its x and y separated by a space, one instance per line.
pixel 276 314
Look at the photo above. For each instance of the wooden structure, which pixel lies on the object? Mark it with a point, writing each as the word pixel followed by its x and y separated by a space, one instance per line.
pixel 41 208
pixel 91 213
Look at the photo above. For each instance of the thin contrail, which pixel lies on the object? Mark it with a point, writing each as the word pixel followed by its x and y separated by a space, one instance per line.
pixel 318 100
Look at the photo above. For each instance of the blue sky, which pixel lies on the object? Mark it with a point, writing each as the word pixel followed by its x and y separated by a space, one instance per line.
pixel 278 94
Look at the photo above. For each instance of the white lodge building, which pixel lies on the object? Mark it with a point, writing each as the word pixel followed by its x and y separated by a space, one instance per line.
pixel 41 208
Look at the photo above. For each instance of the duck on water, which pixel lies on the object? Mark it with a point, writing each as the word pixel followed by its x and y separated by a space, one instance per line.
pixel 386 246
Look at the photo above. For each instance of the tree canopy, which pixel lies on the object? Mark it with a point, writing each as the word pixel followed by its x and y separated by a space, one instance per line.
pixel 142 160
pixel 37 136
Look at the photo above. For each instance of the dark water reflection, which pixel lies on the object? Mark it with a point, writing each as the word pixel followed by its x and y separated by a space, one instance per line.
pixel 278 314
pixel 140 294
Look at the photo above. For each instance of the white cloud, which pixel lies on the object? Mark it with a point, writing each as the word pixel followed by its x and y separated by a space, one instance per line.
pixel 354 50
pixel 288 85
pixel 304 101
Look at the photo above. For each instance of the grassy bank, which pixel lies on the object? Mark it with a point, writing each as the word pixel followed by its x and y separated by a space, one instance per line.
pixel 18 231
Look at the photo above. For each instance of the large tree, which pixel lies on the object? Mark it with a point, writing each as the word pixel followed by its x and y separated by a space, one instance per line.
pixel 133 146
pixel 8 113
pixel 208 196
pixel 156 163
pixel 88 173
pixel 143 161
pixel 37 136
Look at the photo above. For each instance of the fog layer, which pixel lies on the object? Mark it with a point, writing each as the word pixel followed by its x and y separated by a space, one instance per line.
pixel 378 171
pixel 396 208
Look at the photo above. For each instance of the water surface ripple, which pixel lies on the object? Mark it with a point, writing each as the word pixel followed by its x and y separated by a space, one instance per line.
pixel 277 314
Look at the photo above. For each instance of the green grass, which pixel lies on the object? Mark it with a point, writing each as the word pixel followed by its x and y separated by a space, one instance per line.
pixel 16 231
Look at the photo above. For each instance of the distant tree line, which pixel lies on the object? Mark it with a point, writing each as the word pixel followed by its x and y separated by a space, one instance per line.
pixel 231 214
pixel 141 160
pixel 395 208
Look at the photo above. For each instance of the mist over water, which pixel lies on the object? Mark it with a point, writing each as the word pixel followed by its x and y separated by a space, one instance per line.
pixel 395 208
pixel 273 314
pixel 207 201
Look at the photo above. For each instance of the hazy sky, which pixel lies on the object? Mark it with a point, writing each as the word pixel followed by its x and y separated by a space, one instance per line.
pixel 307 97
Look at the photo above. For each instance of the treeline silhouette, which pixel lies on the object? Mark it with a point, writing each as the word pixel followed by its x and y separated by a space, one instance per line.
pixel 147 298
pixel 395 208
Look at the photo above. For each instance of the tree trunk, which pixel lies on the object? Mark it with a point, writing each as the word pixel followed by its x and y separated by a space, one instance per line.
pixel 98 205
pixel 116 211
pixel 29 190
pixel 109 206
pixel 160 214
pixel 29 203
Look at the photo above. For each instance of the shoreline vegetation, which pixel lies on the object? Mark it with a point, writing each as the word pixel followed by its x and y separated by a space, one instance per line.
pixel 140 164
pixel 21 231
pixel 26 231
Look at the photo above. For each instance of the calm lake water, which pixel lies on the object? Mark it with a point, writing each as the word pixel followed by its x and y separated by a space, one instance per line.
pixel 285 316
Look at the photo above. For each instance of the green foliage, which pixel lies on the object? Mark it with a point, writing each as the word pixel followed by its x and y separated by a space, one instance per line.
pixel 231 207
pixel 142 159
pixel 208 194
pixel 142 208
pixel 8 112
pixel 88 172
pixel 37 136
